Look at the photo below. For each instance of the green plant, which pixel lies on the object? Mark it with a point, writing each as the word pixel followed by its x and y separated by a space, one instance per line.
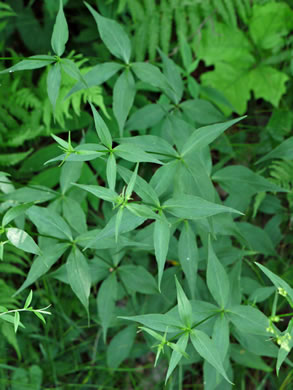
pixel 144 228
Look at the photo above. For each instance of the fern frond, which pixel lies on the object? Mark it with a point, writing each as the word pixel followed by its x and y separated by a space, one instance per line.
pixel 220 9
pixel 166 25
pixel 154 35
pixel 136 10
pixel 282 173
pixel 141 40
pixel 26 98
pixel 230 6
pixel 242 12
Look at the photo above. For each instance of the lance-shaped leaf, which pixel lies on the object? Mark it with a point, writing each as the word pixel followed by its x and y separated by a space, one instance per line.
pixel 217 279
pixel 176 355
pixel 96 76
pixel 131 183
pixel 123 97
pixel 120 346
pixel 277 281
pixel 33 62
pixel 205 135
pixel 53 83
pixel 111 171
pixel 208 350
pixel 14 212
pixel 184 306
pixel 21 240
pixel 282 151
pixel 113 36
pixel 101 128
pixel 188 256
pixel 161 245
pixel 134 154
pixel 106 302
pixel 49 223
pixel 99 191
pixel 60 32
pixel 172 74
pixel 42 264
pixel 79 276
pixel 194 207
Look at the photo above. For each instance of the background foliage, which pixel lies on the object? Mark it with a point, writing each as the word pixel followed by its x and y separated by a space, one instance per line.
pixel 164 236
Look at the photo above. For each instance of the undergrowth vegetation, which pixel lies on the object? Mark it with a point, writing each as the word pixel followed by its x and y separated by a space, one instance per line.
pixel 146 234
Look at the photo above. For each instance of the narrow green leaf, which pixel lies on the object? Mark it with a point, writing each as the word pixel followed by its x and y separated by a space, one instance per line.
pixel 101 128
pixel 61 142
pixel 137 278
pixel 118 221
pixel 53 83
pixel 60 32
pixel 282 151
pixel 217 279
pixel 28 299
pixel 70 173
pixel 131 183
pixel 16 321
pixel 111 171
pixel 40 316
pixel 79 276
pixel 123 97
pixel 161 244
pixel 205 135
pixel 207 349
pixel 177 356
pixel 194 207
pixel 134 154
pixel 99 191
pixel 113 36
pixel 188 256
pixel 184 306
pixel 33 62
pixel 21 240
pixel 106 302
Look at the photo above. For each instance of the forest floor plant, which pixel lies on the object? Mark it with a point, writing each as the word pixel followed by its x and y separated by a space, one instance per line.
pixel 156 242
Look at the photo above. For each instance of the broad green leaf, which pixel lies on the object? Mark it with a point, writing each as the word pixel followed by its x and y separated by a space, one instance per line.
pixel 99 191
pixel 285 347
pixel 96 76
pixel 106 302
pixel 208 350
pixel 111 171
pixel 137 278
pixel 120 346
pixel 248 319
pixel 123 97
pixel 146 117
pixel 205 135
pixel 276 280
pixel 129 153
pixel 74 215
pixel 163 178
pixel 257 238
pixel 269 24
pixel 184 306
pixel 151 74
pixel 221 335
pixel 248 359
pixel 282 151
pixel 60 32
pixel 49 223
pixel 153 144
pixel 21 240
pixel 42 264
pixel 72 70
pixel 79 276
pixel 217 279
pixel 33 62
pixel 14 212
pixel 202 112
pixel 141 187
pixel 31 194
pixel 70 173
pixel 101 128
pixel 238 180
pixel 193 207
pixel 53 83
pixel 161 244
pixel 113 36
pixel 188 256
pixel 176 356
